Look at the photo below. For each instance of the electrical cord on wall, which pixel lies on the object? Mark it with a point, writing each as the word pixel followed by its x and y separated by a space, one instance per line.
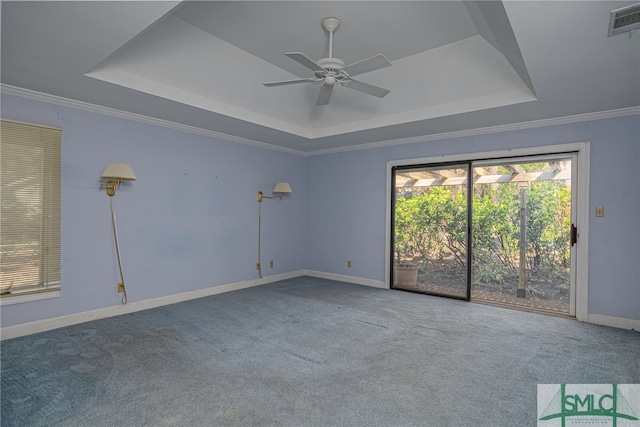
pixel 121 286
pixel 258 265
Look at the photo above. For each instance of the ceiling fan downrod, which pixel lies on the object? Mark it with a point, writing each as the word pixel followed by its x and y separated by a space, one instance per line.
pixel 331 67
pixel 330 25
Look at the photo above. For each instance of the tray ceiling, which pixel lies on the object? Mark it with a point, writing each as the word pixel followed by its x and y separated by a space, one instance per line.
pixel 455 65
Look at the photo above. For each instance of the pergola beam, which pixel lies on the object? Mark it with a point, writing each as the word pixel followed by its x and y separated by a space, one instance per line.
pixel 515 169
pixel 405 182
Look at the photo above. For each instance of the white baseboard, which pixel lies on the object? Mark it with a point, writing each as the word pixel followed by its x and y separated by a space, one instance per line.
pixel 349 279
pixel 101 313
pixel 615 322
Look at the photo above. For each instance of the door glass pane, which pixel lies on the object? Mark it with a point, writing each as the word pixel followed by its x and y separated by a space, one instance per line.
pixel 521 229
pixel 430 230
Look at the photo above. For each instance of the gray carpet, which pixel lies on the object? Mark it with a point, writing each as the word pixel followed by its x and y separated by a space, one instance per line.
pixel 307 352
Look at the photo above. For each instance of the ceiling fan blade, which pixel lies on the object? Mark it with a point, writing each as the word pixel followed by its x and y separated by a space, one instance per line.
pixel 366 65
pixel 325 95
pixel 302 59
pixel 291 82
pixel 367 88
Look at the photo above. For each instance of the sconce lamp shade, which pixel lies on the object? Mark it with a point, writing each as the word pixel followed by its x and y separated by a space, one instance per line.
pixel 121 171
pixel 282 188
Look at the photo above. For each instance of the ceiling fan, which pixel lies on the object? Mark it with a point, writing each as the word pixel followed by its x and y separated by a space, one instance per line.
pixel 332 70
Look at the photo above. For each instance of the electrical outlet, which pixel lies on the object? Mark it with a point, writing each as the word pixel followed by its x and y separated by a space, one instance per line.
pixel 270 264
pixel 349 264
pixel 120 288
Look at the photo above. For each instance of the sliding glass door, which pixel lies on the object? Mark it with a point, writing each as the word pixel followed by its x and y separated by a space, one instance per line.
pixel 431 229
pixel 522 229
pixel 509 239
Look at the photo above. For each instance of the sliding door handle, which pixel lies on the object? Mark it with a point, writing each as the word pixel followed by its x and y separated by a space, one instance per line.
pixel 574 235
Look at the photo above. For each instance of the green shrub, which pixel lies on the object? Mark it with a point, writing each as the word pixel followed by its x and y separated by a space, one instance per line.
pixel 431 222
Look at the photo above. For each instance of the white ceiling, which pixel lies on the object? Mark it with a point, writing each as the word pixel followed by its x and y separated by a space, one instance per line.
pixel 455 65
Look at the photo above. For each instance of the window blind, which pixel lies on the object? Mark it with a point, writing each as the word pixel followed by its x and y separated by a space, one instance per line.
pixel 29 208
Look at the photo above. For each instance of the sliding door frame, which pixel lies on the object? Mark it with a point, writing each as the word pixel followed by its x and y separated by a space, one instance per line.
pixel 468 164
pixel 581 199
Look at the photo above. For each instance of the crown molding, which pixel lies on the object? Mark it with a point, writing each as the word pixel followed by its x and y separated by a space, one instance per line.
pixel 622 112
pixel 85 106
pixel 53 99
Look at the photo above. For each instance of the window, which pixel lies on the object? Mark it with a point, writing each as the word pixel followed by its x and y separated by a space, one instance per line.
pixel 29 209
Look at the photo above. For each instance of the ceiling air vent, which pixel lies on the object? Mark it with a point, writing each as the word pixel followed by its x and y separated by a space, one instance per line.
pixel 625 19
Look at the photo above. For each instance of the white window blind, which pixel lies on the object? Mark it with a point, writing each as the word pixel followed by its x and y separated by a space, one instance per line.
pixel 29 208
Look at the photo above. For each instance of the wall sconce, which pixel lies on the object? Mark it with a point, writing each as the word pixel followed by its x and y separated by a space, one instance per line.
pixel 279 191
pixel 115 173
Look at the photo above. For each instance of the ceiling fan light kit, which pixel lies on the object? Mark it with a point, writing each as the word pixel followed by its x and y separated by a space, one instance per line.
pixel 332 70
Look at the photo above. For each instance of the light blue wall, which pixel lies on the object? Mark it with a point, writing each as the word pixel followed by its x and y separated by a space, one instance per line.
pixel 614 252
pixel 189 222
pixel 346 204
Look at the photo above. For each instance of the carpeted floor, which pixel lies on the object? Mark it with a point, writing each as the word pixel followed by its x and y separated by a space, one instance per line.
pixel 307 352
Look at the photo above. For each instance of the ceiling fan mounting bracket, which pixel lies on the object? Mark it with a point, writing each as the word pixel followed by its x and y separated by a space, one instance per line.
pixel 330 24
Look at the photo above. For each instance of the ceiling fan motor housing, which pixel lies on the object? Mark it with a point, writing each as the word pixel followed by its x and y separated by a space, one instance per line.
pixel 329 64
